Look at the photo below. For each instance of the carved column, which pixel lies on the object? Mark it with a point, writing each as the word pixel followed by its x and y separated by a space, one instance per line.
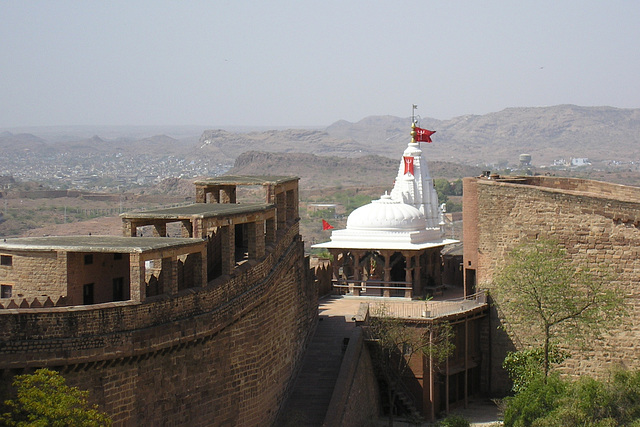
pixel 387 273
pixel 355 288
pixel 408 273
pixel 417 280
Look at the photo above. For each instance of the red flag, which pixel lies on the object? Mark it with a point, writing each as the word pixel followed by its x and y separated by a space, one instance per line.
pixel 423 135
pixel 408 165
pixel 326 225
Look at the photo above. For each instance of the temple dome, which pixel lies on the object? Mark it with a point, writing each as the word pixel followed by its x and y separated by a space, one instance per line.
pixel 386 215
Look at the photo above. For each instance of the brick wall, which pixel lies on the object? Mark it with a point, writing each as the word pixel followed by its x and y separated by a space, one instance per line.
pixel 596 222
pixel 222 355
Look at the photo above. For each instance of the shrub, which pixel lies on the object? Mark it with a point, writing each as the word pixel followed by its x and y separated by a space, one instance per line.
pixel 453 421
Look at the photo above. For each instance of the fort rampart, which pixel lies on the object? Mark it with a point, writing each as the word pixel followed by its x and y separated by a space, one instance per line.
pixel 598 223
pixel 224 354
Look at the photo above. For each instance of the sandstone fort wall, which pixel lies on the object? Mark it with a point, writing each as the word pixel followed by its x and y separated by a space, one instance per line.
pixel 596 222
pixel 220 355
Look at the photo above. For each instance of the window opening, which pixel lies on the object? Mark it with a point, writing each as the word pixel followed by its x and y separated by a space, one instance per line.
pixel 87 294
pixel 5 291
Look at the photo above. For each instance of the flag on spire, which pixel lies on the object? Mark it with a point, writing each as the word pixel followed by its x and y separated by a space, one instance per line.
pixel 326 225
pixel 423 135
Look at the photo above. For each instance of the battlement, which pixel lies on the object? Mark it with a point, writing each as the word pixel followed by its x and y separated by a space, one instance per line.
pixel 204 329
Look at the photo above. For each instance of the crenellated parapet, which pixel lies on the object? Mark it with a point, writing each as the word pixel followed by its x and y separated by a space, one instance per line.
pixel 178 348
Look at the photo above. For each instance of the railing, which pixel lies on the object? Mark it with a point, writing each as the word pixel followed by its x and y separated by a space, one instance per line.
pixel 361 286
pixel 426 309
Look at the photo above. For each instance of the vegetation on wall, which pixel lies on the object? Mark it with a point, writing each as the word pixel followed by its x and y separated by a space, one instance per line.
pixel 563 304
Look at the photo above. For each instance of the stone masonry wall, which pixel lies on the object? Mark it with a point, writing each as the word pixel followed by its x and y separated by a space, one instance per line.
pixel 36 274
pixel 597 225
pixel 221 355
pixel 356 397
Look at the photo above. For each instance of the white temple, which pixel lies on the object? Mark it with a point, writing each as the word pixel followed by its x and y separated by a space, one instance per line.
pixel 392 245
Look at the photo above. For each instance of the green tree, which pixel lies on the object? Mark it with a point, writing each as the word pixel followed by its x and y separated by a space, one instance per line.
pixel 559 302
pixel 443 188
pixel 524 366
pixel 456 187
pixel 44 399
pixel 398 342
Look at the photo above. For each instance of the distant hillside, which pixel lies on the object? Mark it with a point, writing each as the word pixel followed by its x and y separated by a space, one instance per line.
pixel 11 144
pixel 547 133
pixel 226 145
pixel 332 171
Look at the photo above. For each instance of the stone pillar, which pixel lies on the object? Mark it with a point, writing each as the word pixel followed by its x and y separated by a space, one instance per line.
pixel 291 206
pixel 417 281
pixel 255 230
pixel 334 264
pixel 201 195
pixel 160 229
pixel 228 194
pixel 408 269
pixel 281 210
pixel 270 232
pixel 129 228
pixel 136 278
pixel 356 273
pixel 215 195
pixel 268 193
pixel 197 228
pixel 387 273
pixel 228 247
pixel 187 228
pixel 202 278
pixel 170 275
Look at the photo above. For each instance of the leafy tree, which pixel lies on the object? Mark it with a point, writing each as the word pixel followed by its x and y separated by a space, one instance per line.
pixel 443 188
pixel 44 399
pixel 559 302
pixel 526 365
pixel 398 342
pixel 456 187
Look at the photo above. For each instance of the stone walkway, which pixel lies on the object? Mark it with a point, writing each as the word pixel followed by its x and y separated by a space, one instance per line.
pixel 314 385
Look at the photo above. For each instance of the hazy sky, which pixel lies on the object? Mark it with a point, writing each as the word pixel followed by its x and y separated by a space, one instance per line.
pixel 281 63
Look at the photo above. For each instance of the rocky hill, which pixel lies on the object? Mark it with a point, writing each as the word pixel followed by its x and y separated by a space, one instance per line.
pixel 334 171
pixel 547 133
pixel 228 146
